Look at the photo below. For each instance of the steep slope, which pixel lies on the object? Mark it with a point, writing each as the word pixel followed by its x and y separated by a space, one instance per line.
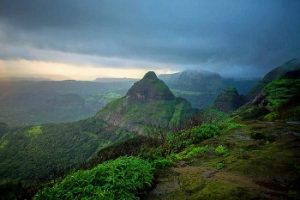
pixel 278 72
pixel 277 100
pixel 148 105
pixel 228 100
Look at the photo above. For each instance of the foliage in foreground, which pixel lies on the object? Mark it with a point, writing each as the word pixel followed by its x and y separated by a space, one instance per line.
pixel 214 123
pixel 117 179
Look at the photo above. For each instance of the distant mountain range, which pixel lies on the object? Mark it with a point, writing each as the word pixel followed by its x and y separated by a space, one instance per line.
pixel 34 101
pixel 201 87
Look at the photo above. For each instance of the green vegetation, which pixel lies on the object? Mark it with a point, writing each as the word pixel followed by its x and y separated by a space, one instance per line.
pixel 280 91
pixel 148 105
pixel 40 153
pixel 113 180
pixel 191 152
pixel 115 154
pixel 221 150
pixel 278 101
pixel 229 100
pixel 34 131
pixel 215 122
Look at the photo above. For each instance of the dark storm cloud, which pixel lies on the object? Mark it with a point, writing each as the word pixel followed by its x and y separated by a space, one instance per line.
pixel 237 37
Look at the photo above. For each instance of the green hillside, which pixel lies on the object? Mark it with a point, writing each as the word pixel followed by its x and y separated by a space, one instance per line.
pixel 149 103
pixel 278 100
pixel 219 159
pixel 43 152
pixel 276 73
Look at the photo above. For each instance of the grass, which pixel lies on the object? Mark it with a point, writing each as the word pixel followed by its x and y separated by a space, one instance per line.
pixel 113 180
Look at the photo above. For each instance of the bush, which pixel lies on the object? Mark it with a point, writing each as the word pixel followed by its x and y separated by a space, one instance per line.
pixel 116 179
pixel 180 140
pixel 220 165
pixel 191 152
pixel 162 163
pixel 205 131
pixel 221 150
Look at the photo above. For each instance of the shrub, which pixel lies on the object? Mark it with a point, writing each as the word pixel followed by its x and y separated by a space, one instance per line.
pixel 205 131
pixel 116 179
pixel 161 163
pixel 191 152
pixel 220 165
pixel 221 150
pixel 180 140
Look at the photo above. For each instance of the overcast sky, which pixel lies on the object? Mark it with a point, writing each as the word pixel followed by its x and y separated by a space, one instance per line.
pixel 84 39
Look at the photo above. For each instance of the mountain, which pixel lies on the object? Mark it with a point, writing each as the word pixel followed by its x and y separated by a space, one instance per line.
pixel 42 152
pixel 116 80
pixel 277 95
pixel 228 100
pixel 276 73
pixel 148 103
pixel 111 156
pixel 36 102
pixel 193 80
pixel 202 87
pixel 3 128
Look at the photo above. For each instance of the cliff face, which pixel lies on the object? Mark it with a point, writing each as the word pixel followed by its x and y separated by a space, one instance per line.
pixel 228 100
pixel 148 104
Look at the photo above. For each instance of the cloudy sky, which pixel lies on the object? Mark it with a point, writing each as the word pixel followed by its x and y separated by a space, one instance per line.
pixel 103 38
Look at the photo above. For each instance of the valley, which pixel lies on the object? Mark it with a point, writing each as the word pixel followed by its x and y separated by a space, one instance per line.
pixel 150 144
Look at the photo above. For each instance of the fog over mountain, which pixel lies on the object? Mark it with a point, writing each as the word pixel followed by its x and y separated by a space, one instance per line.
pixel 89 39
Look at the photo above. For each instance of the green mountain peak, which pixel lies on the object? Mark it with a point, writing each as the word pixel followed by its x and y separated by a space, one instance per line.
pixel 149 88
pixel 150 75
pixel 148 104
